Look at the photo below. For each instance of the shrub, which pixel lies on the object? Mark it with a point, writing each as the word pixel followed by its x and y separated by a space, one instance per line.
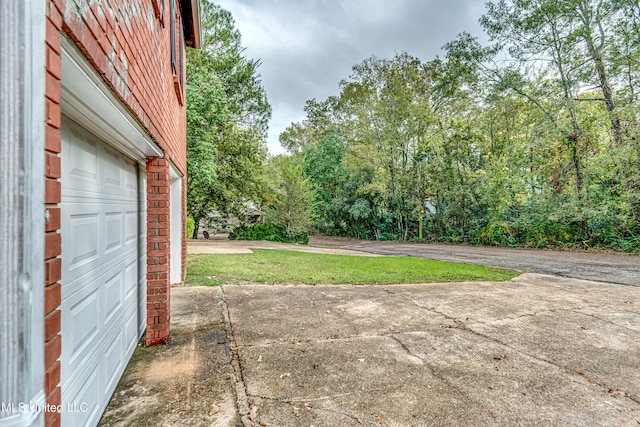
pixel 190 227
pixel 269 232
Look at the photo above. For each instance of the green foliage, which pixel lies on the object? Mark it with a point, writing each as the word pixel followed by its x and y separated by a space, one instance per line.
pixel 227 116
pixel 206 114
pixel 191 225
pixel 269 232
pixel 468 149
pixel 289 199
pixel 278 266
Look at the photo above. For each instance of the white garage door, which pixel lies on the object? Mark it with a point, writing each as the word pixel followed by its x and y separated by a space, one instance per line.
pixel 100 280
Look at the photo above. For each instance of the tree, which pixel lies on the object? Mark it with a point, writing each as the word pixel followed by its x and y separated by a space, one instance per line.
pixel 574 37
pixel 228 116
pixel 592 16
pixel 291 195
pixel 532 140
pixel 323 165
pixel 206 114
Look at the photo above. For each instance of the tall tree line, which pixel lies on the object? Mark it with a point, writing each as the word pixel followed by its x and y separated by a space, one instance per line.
pixel 532 140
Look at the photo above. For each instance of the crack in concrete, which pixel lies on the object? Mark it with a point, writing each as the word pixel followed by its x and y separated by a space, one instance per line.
pixel 242 400
pixel 391 335
pixel 590 380
pixel 436 374
pixel 302 399
pixel 536 313
pixel 357 419
pixel 406 348
pixel 243 397
pixel 319 340
pixel 609 321
pixel 320 408
pixel 465 327
pixel 591 279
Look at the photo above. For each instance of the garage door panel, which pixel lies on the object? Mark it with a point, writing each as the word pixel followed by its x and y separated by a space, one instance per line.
pixel 99 202
pixel 83 229
pixel 130 182
pixel 113 296
pixel 112 169
pixel 94 274
pixel 101 278
pixel 99 354
pixel 96 169
pixel 114 231
pixel 109 221
pixel 93 199
pixel 83 314
pixel 117 176
pixel 113 362
pixel 87 394
pixel 132 333
pixel 96 278
pixel 131 281
pixel 91 235
pixel 84 161
pixel 94 313
pixel 142 308
pixel 131 228
pixel 129 311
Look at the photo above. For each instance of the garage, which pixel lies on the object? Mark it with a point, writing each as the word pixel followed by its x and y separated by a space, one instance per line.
pixel 103 286
pixel 92 205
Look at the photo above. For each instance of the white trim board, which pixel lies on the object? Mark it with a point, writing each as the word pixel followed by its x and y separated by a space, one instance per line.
pixel 175 224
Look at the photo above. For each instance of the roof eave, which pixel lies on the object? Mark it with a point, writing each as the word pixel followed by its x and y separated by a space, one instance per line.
pixel 191 23
pixel 197 31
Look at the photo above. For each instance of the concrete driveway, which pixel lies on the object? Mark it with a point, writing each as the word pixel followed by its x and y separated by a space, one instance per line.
pixel 538 350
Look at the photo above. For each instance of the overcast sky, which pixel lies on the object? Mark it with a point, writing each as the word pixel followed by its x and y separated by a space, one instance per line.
pixel 308 46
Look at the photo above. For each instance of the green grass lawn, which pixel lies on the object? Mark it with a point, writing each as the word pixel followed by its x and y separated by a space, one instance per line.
pixel 279 266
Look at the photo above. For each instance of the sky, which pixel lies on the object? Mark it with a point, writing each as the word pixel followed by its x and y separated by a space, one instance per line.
pixel 307 46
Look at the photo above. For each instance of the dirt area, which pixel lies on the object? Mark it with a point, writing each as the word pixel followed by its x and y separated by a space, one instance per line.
pixel 189 381
pixel 537 350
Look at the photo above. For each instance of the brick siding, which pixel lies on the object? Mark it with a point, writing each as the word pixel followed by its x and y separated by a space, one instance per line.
pixel 53 239
pixel 158 250
pixel 128 44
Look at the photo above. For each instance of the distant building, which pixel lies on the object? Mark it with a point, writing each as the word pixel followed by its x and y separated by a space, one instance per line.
pixel 217 222
pixel 92 195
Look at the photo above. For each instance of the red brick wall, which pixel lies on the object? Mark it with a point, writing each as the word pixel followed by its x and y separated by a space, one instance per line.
pixel 158 250
pixel 129 45
pixel 53 239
